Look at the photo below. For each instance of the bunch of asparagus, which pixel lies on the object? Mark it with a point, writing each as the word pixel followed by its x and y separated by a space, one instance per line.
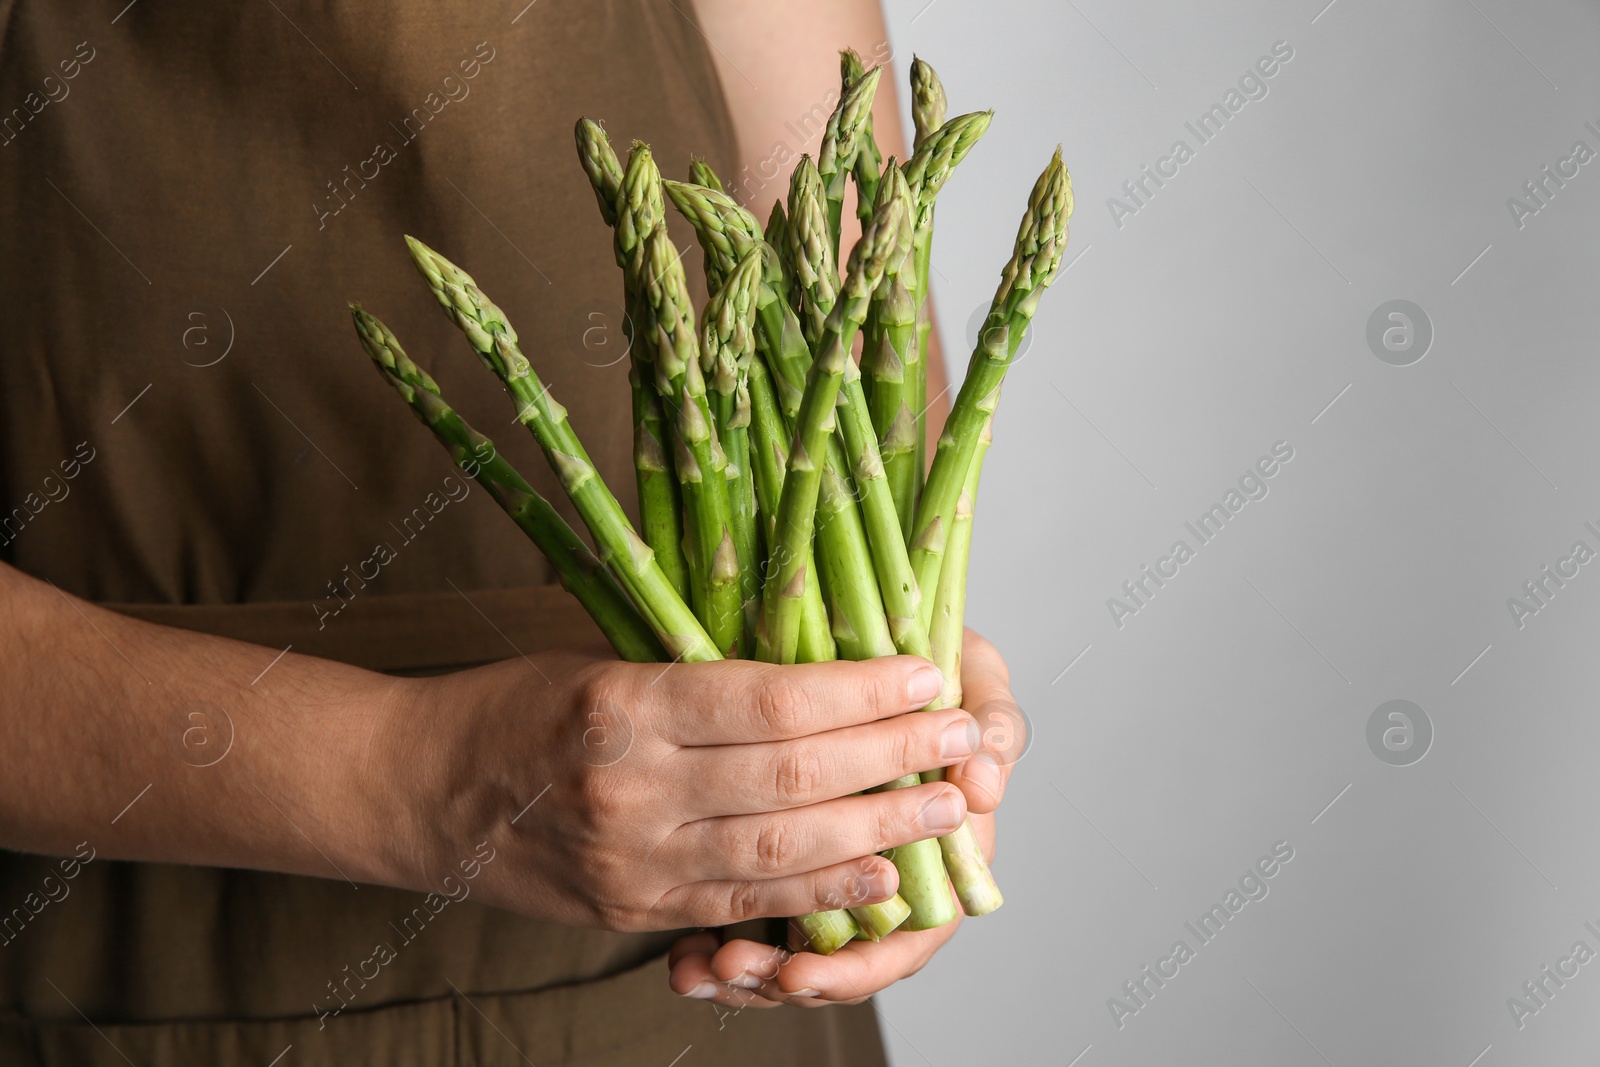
pixel 784 513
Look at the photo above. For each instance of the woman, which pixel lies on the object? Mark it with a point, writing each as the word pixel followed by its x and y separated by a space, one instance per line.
pixel 266 799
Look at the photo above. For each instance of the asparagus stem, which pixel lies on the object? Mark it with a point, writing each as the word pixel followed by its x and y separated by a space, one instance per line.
pixel 660 515
pixel 1035 261
pixel 963 858
pixel 698 459
pixel 841 144
pixel 860 626
pixel 660 506
pixel 939 149
pixel 823 932
pixel 814 427
pixel 580 573
pixel 629 559
pixel 878 921
pixel 923 883
pixel 769 456
pixel 726 355
pixel 888 360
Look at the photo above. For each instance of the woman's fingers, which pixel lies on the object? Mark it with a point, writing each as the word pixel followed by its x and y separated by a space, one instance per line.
pixel 722 902
pixel 816 837
pixel 986 685
pixel 778 775
pixel 689 974
pixel 855 972
pixel 701 942
pixel 741 702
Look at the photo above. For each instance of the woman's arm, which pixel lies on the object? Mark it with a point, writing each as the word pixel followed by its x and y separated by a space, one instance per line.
pixel 779 66
pixel 738 780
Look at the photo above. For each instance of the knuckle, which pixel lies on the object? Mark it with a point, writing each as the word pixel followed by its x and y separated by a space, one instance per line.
pixel 743 901
pixel 615 916
pixel 786 709
pixel 891 822
pixel 913 746
pixel 797 774
pixel 886 690
pixel 598 684
pixel 775 848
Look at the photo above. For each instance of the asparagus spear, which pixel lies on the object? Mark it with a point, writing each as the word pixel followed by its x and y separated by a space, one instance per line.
pixel 922 877
pixel 890 561
pixel 814 428
pixel 700 173
pixel 927 101
pixel 810 250
pixel 629 559
pixel 777 234
pixel 927 170
pixel 580 573
pixel 698 457
pixel 963 857
pixel 660 516
pixel 727 232
pixel 842 142
pixel 1035 261
pixel 849 582
pixel 869 160
pixel 726 354
pixel 890 362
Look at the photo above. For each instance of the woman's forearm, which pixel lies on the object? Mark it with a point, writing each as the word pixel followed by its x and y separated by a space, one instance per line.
pixel 158 744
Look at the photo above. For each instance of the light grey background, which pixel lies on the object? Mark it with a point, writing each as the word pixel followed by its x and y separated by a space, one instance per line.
pixel 1222 317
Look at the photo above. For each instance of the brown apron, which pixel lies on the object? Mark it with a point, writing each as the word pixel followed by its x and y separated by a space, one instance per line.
pixel 189 193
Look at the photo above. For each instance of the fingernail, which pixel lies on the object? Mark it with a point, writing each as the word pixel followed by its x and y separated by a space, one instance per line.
pixel 925 685
pixel 703 991
pixel 983 773
pixel 872 882
pixel 807 992
pixel 942 814
pixel 746 980
pixel 960 739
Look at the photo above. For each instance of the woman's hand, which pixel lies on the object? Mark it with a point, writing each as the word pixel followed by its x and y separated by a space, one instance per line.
pixel 739 973
pixel 651 797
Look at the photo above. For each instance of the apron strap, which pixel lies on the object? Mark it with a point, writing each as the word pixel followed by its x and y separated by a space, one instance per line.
pixel 412 633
